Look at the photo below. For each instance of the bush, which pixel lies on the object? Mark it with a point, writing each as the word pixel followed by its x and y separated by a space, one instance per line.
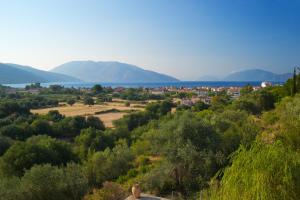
pixel 109 164
pixel 5 143
pixel 109 191
pixel 36 150
pixel 88 101
pixel 95 122
pixel 16 132
pixel 91 140
pixel 46 182
pixel 41 127
pixel 71 102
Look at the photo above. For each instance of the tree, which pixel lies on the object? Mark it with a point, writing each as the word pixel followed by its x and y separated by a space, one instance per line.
pixel 50 183
pixel 219 101
pixel 71 102
pixel 265 100
pixel 157 109
pixel 165 107
pixel 95 122
pixel 294 88
pixel 92 140
pixel 16 132
pixel 43 182
pixel 88 101
pixel 10 188
pixel 8 108
pixel 5 143
pixel 69 126
pixel 132 120
pixel 54 115
pixel 40 126
pixel 56 88
pixel 109 164
pixel 246 104
pixel 46 182
pixel 36 150
pixel 199 106
pixel 33 86
pixel 97 89
pixel 188 145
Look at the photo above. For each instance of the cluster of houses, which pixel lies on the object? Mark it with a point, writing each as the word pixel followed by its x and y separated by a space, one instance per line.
pixel 10 90
pixel 204 93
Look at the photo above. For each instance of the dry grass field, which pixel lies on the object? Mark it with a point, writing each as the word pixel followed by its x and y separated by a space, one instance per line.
pixel 108 118
pixel 85 110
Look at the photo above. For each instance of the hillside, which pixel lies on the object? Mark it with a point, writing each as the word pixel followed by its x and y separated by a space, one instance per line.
pixel 257 75
pixel 91 71
pixel 14 74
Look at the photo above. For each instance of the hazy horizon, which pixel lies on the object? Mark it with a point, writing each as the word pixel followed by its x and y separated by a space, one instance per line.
pixel 184 39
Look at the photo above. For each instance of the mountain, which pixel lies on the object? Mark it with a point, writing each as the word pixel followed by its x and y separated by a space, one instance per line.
pixel 117 72
pixel 257 75
pixel 14 74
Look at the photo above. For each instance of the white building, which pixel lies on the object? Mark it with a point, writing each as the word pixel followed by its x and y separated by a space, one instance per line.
pixel 266 84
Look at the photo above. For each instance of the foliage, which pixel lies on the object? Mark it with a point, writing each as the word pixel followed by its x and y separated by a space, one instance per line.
pixel 46 182
pixel 88 101
pixel 71 102
pixel 109 191
pixel 17 132
pixel 5 143
pixel 9 108
pixel 263 172
pixel 247 89
pixel 95 122
pixel 36 150
pixel 199 106
pixel 188 145
pixel 97 89
pixel 91 140
pixel 109 164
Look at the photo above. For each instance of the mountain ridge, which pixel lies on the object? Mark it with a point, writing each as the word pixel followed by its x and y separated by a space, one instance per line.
pixel 110 71
pixel 255 74
pixel 16 74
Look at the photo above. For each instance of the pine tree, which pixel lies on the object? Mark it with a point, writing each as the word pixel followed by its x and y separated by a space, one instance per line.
pixel 294 88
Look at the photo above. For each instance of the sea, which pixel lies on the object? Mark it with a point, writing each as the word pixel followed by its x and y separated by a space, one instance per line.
pixel 187 84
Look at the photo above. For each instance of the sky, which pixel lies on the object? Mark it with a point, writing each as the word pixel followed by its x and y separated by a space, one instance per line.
pixel 187 39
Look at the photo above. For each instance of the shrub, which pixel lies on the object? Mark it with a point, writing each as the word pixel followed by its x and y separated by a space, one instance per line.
pixel 109 191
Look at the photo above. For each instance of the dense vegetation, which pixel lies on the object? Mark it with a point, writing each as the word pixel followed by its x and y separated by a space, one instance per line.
pixel 232 149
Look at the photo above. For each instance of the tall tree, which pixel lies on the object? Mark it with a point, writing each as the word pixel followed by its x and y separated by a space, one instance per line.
pixel 97 88
pixel 294 83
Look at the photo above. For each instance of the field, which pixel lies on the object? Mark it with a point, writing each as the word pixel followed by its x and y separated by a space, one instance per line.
pixel 107 112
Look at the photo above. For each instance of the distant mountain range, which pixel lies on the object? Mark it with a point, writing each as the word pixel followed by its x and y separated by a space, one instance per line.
pixel 14 74
pixel 115 72
pixel 251 75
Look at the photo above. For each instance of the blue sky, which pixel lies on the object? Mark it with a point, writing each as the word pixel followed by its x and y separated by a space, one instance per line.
pixel 184 38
